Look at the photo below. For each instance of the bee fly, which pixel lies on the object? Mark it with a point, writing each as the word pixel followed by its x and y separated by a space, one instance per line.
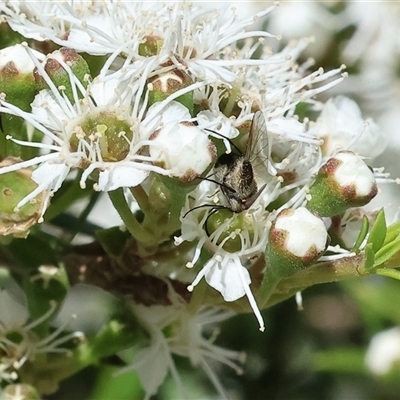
pixel 236 176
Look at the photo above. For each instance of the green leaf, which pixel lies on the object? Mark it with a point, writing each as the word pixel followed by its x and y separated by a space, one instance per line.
pixel 113 240
pixel 378 232
pixel 392 232
pixel 386 252
pixel 389 272
pixel 361 235
pixel 369 257
pixel 112 385
pixel 31 252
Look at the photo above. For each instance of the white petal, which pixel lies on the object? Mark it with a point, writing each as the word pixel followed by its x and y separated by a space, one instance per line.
pixel 45 100
pixel 152 365
pixel 118 176
pixel 12 313
pixel 50 175
pixel 173 112
pixel 227 280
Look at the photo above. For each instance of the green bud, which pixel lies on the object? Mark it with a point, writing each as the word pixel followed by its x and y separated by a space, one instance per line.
pixel 59 75
pixel 345 181
pixel 16 79
pixel 14 186
pixel 164 84
pixel 297 239
pixel 151 46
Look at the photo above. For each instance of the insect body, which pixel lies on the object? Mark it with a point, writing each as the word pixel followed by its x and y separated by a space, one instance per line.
pixel 236 177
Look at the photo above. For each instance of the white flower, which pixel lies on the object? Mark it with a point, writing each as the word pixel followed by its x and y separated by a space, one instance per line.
pixel 383 352
pixel 175 330
pixel 14 318
pixel 103 132
pixel 294 20
pixel 342 128
pixel 186 33
pixel 19 58
pixel 226 270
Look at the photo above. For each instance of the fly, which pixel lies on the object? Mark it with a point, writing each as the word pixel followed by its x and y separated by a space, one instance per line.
pixel 236 177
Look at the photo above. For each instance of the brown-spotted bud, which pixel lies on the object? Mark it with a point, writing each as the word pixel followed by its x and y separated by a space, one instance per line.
pixel 297 239
pixel 182 149
pixel 164 84
pixel 345 181
pixel 54 66
pixel 151 46
pixel 14 187
pixel 16 79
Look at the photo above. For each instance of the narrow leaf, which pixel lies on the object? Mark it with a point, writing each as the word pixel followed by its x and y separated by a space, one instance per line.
pixel 386 252
pixel 390 273
pixel 369 257
pixel 378 232
pixel 361 235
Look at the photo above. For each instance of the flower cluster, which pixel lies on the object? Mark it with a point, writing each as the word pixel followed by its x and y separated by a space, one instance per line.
pixel 215 151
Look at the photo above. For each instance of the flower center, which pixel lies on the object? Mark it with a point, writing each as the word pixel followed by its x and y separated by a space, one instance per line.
pixel 102 136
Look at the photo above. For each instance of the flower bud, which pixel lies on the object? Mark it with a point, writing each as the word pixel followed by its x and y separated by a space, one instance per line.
pixel 151 46
pixel 182 149
pixel 16 79
pixel 15 186
pixel 345 181
pixel 164 84
pixel 57 73
pixel 297 239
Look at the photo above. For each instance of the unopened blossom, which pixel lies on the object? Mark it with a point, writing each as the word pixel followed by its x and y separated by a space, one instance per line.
pixel 296 240
pixel 16 75
pixel 14 186
pixel 185 150
pixel 298 234
pixel 344 181
pixel 17 58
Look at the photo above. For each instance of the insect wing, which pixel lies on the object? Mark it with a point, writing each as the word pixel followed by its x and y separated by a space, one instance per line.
pixel 258 131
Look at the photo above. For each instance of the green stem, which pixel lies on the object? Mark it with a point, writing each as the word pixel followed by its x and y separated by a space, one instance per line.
pixel 134 227
pixel 141 197
pixel 329 271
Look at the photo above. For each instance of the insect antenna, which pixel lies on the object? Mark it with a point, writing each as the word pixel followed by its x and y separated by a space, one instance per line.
pixel 215 208
pixel 201 206
pixel 226 138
